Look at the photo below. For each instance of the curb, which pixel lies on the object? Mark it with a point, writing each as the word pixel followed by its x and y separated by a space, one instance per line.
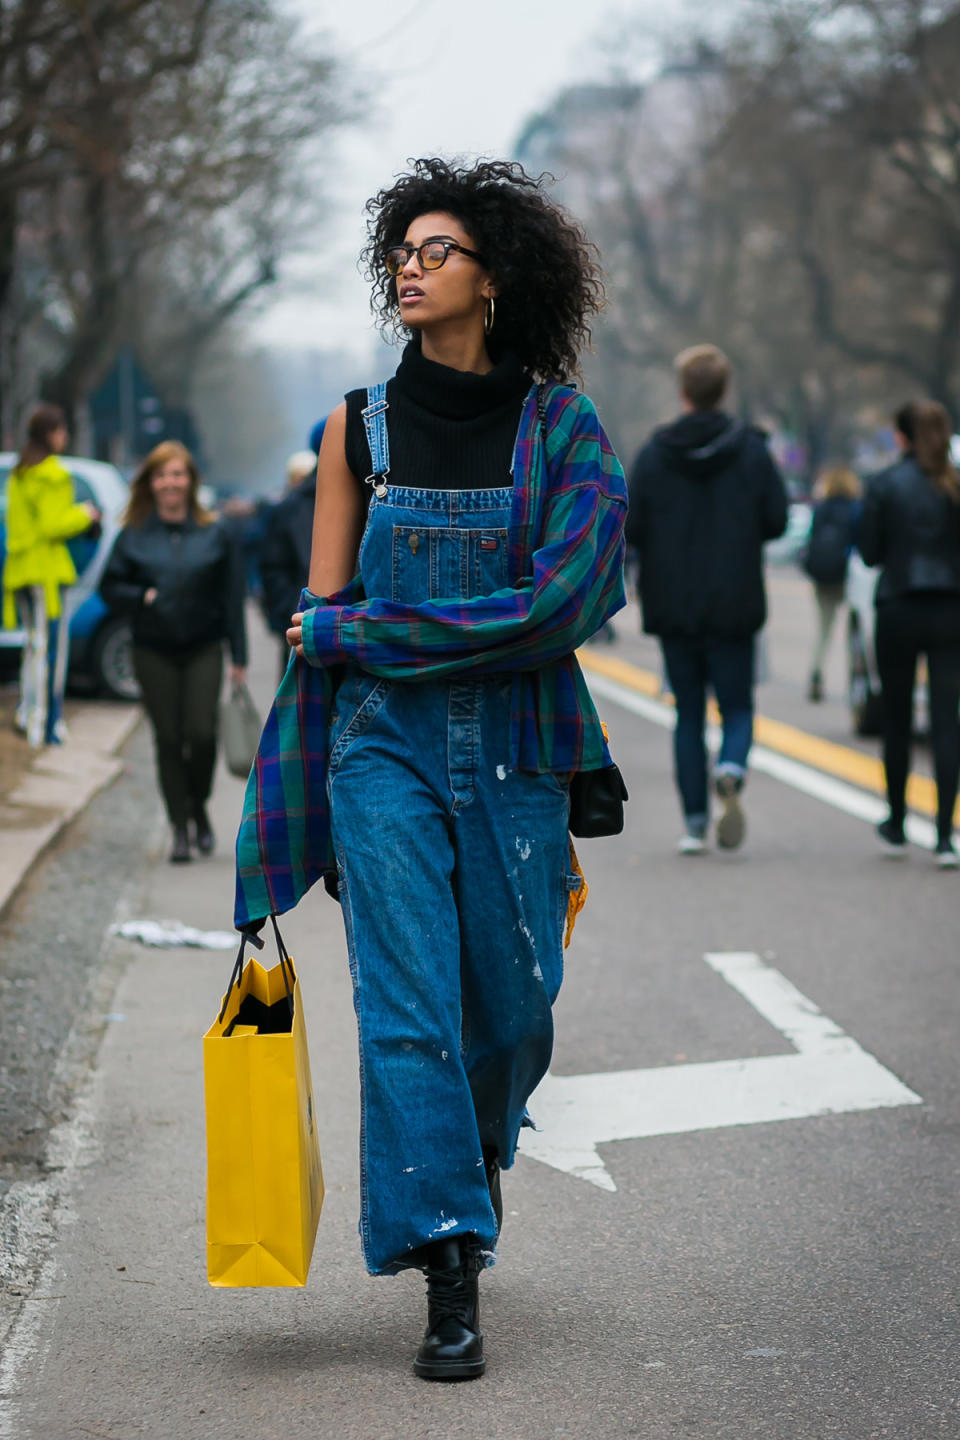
pixel 58 786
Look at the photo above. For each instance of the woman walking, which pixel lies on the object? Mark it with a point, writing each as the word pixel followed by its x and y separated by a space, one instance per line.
pixel 832 535
pixel 911 527
pixel 484 513
pixel 42 515
pixel 178 575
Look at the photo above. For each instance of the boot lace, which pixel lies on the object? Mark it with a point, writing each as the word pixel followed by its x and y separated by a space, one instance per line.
pixel 452 1292
pixel 448 1297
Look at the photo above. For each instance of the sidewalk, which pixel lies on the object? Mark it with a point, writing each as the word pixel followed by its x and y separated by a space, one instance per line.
pixel 58 783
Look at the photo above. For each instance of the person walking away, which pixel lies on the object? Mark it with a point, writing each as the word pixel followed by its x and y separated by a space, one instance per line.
pixel 827 556
pixel 285 554
pixel 245 519
pixel 315 439
pixel 178 574
pixel 42 515
pixel 492 547
pixel 704 496
pixel 911 528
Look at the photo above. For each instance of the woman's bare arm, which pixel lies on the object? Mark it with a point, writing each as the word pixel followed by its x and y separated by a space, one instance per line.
pixel 338 515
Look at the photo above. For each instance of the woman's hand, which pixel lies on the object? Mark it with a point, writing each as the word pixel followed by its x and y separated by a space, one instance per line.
pixel 295 633
pixel 150 595
pixel 238 675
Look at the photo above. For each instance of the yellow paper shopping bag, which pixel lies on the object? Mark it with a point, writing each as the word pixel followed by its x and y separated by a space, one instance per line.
pixel 264 1181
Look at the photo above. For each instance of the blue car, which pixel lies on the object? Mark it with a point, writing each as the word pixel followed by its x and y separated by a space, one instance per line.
pixel 100 653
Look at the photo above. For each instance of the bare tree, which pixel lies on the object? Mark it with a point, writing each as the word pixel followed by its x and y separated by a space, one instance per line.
pixel 168 130
pixel 852 120
pixel 793 194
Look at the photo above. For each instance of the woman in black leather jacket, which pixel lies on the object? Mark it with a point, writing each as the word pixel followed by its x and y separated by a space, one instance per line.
pixel 911 527
pixel 177 573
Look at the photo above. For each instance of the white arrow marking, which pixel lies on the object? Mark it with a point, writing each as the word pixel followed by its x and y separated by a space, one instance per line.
pixel 830 1074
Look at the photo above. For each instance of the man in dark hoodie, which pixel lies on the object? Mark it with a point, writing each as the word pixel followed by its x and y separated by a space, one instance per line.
pixel 704 496
pixel 285 555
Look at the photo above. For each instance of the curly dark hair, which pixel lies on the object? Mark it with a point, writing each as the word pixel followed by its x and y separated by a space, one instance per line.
pixel 544 267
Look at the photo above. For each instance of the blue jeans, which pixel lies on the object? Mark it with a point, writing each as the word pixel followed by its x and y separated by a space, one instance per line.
pixel 454 880
pixel 693 664
pixel 43 667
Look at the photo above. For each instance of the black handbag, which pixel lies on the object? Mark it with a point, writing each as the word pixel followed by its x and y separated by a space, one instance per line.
pixel 596 803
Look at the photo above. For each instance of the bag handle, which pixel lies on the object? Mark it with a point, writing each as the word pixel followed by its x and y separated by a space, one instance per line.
pixel 241 694
pixel 286 965
pixel 544 390
pixel 542 411
pixel 237 973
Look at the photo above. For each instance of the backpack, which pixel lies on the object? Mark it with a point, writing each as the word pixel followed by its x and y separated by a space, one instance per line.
pixel 828 548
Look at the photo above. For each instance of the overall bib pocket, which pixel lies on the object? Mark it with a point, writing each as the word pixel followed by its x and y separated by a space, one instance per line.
pixel 432 562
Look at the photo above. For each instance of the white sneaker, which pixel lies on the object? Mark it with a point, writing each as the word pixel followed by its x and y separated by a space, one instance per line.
pixel 947 857
pixel 732 825
pixel 691 845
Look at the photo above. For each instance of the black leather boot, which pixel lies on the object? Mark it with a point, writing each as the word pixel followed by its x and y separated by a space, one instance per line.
pixel 452 1347
pixel 205 840
pixel 491 1166
pixel 181 846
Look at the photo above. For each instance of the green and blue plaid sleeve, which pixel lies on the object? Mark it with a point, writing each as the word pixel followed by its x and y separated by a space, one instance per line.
pixel 574 585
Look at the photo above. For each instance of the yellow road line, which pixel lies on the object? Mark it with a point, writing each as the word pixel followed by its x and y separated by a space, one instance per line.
pixel 853 766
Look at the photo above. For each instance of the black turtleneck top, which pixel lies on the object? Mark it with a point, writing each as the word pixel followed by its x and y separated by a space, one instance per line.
pixel 448 429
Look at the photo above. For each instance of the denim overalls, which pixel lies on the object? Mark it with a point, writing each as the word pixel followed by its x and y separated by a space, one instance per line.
pixel 453 876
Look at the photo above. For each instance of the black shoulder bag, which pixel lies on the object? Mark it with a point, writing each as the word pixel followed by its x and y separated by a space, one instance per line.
pixel 596 802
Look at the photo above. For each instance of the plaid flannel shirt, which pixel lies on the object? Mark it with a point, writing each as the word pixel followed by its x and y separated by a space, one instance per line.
pixel 566 567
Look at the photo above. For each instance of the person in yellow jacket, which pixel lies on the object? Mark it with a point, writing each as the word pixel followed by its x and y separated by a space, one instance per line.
pixel 42 515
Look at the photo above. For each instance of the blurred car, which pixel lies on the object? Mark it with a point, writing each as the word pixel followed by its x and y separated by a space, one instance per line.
pixel 863 677
pixel 100 649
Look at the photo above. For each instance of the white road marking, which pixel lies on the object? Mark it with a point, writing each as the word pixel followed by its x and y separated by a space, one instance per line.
pixel 858 803
pixel 830 1074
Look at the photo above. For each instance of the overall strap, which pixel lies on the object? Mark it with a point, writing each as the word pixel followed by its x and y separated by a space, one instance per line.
pixel 375 424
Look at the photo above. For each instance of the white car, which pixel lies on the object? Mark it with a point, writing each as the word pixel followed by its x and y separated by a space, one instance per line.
pixel 863 677
pixel 787 549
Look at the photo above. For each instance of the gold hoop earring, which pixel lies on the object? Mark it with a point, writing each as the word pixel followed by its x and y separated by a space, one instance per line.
pixel 489 315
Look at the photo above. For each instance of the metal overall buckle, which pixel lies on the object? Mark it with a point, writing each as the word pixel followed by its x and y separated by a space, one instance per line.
pixel 379 483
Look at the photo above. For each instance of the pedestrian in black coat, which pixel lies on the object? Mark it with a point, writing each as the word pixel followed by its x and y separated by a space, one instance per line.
pixel 833 529
pixel 705 495
pixel 911 527
pixel 285 552
pixel 177 573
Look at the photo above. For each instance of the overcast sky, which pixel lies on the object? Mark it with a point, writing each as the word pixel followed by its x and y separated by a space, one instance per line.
pixel 449 77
